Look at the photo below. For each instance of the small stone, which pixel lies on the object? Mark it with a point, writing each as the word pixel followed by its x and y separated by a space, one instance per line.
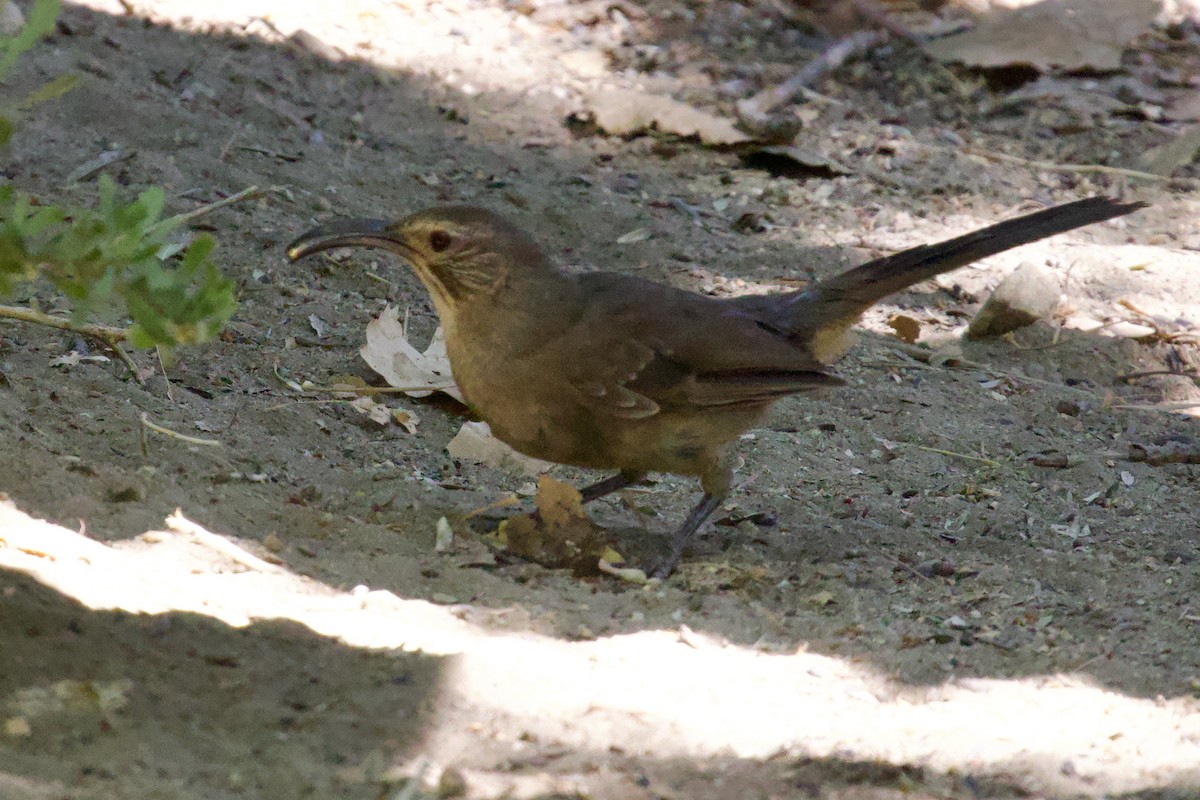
pixel 11 18
pixel 1072 408
pixel 452 783
pixel 126 493
pixel 1030 293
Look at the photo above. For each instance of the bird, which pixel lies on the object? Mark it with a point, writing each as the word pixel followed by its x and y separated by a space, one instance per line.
pixel 614 372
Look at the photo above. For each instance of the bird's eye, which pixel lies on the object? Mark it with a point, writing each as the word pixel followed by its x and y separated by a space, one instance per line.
pixel 439 240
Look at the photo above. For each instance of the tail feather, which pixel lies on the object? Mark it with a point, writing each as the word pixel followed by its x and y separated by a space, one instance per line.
pixel 875 280
pixel 832 305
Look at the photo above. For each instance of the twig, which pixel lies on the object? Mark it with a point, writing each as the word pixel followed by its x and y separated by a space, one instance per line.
pixel 262 151
pixel 774 96
pixel 379 278
pixel 1153 322
pixel 104 333
pixel 162 366
pixel 980 459
pixel 1179 405
pixel 361 390
pixel 875 13
pixel 181 524
pixel 109 336
pixel 1050 165
pixel 924 355
pixel 248 193
pixel 1130 377
pixel 183 437
pixel 224 154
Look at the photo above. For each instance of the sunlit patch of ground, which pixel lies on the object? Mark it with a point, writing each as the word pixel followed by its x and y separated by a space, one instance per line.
pixel 660 693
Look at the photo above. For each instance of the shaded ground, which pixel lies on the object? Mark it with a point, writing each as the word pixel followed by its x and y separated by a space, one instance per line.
pixel 916 557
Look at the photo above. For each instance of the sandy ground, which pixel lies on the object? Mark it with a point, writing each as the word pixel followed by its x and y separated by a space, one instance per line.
pixel 924 612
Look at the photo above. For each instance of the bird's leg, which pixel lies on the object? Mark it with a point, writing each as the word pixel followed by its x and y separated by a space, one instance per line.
pixel 607 486
pixel 717 482
pixel 679 540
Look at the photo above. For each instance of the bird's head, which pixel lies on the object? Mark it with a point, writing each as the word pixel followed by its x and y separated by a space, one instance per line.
pixel 460 253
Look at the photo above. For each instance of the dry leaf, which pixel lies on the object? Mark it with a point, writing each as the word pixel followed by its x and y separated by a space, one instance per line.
pixel 474 442
pixel 444 536
pixel 637 235
pixel 907 329
pixel 405 419
pixel 559 534
pixel 319 326
pixel 624 112
pixel 1070 34
pixel 376 412
pixel 627 574
pixel 389 353
pixel 70 359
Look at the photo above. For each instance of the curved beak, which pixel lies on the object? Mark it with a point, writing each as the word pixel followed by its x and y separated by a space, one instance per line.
pixel 348 233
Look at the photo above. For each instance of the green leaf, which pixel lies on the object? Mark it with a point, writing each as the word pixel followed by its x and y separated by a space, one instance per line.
pixel 107 192
pixel 6 130
pixel 55 87
pixel 151 202
pixel 137 336
pixel 198 252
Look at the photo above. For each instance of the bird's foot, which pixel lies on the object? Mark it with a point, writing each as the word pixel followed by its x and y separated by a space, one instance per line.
pixel 663 567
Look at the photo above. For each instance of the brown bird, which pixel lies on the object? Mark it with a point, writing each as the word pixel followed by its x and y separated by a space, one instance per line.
pixel 614 372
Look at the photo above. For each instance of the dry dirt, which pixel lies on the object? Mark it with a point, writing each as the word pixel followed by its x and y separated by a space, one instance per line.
pixel 923 610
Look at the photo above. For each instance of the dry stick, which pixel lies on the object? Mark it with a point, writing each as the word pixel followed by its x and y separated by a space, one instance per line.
pixel 873 11
pixel 924 355
pixel 1130 377
pixel 1050 165
pixel 1152 321
pixel 980 459
pixel 146 423
pixel 249 193
pixel 111 337
pixel 1170 407
pixel 368 390
pixel 774 96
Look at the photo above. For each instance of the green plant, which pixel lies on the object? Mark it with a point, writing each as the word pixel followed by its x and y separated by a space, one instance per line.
pixel 119 253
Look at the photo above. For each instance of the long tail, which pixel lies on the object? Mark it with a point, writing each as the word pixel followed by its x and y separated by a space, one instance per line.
pixel 826 309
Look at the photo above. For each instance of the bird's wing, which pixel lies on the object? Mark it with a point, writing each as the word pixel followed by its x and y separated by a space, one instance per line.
pixel 656 347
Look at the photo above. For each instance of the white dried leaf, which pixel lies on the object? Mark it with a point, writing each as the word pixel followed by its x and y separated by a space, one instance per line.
pixel 376 412
pixel 71 359
pixel 626 111
pixel 405 419
pixel 637 235
pixel 389 353
pixel 319 326
pixel 444 536
pixel 474 442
